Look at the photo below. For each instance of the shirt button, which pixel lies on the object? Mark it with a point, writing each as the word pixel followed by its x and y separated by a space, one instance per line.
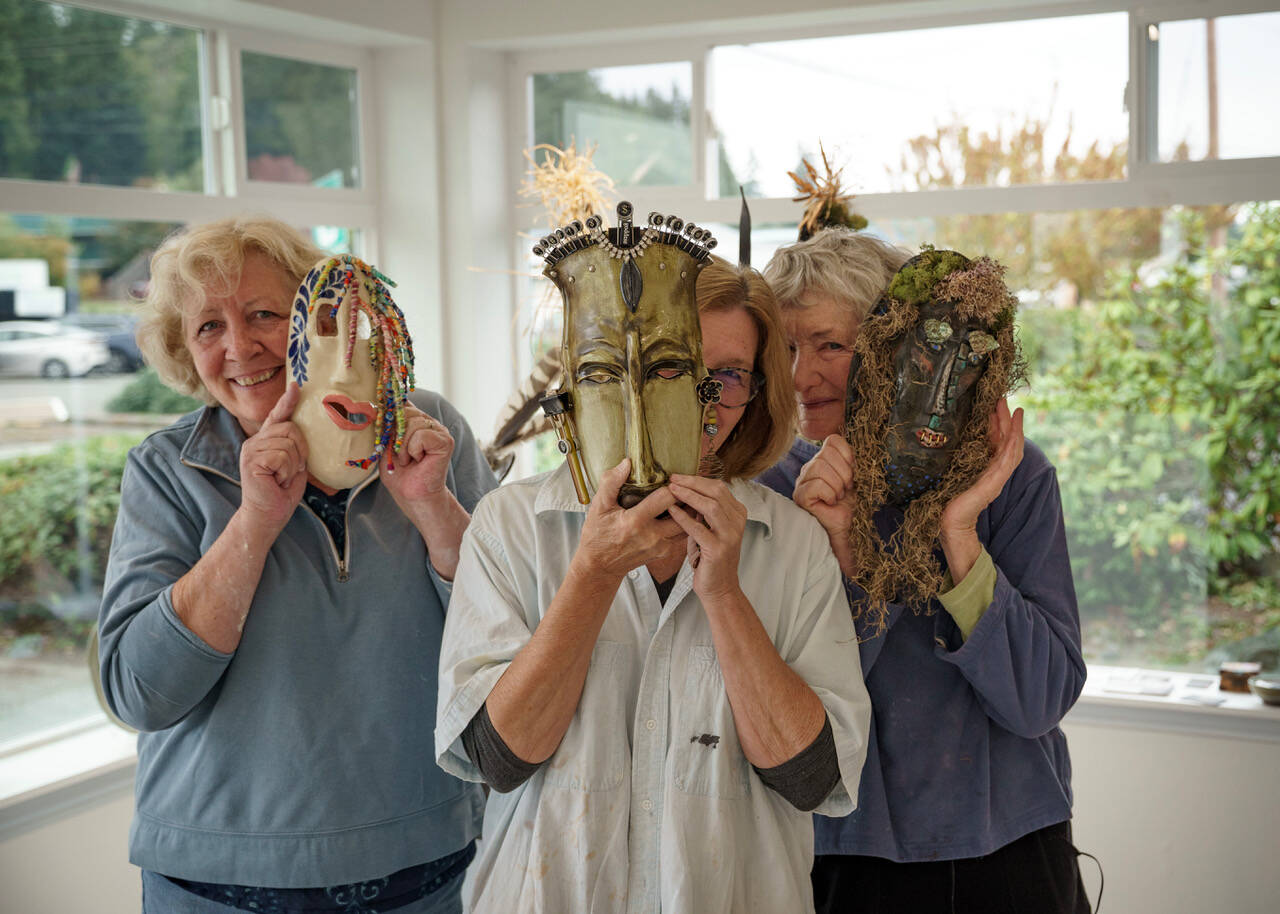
pixel 651 724
pixel 646 805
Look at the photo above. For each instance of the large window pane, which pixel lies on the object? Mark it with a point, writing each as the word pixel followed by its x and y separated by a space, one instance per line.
pixel 638 117
pixel 62 447
pixel 1152 352
pixel 301 122
pixel 1219 87
pixel 998 105
pixel 89 98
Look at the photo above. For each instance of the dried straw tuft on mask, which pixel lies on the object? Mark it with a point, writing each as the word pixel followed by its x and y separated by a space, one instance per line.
pixel 979 292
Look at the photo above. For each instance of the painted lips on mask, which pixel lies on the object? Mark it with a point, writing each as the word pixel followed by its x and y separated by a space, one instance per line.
pixel 347 413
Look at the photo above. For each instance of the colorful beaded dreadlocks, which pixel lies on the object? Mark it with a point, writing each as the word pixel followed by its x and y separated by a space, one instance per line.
pixel 390 349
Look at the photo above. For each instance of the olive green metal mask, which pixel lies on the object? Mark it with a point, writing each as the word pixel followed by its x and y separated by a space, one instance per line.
pixel 634 382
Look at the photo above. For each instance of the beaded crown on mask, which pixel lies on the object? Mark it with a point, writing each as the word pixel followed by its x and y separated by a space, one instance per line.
pixel 614 282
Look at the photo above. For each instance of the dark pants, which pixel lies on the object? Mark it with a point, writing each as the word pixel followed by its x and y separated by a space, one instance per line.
pixel 1037 874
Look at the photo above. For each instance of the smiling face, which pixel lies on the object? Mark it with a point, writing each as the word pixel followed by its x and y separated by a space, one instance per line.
pixel 336 409
pixel 730 339
pixel 238 341
pixel 820 332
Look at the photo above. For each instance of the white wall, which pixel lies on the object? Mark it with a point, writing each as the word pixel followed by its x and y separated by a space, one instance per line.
pixel 1181 824
pixel 73 865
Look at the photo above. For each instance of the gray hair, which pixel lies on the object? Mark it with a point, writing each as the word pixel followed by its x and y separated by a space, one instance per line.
pixel 853 268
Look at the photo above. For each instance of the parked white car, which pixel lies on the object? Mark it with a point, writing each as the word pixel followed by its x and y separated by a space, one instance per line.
pixel 50 350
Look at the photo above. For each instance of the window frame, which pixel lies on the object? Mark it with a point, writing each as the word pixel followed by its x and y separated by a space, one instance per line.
pixel 228 191
pixel 1148 184
pixel 86 755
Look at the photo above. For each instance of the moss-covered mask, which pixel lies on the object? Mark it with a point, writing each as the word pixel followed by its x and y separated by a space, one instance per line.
pixel 937 365
pixel 634 382
pixel 930 364
pixel 350 353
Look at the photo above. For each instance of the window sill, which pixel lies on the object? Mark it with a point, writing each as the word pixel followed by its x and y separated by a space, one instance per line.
pixel 61 777
pixel 1129 697
pixel 48 780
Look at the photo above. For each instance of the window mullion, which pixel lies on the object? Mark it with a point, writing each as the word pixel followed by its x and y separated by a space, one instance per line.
pixel 700 133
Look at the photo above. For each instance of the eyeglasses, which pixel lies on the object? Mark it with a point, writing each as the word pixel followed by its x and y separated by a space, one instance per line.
pixel 740 385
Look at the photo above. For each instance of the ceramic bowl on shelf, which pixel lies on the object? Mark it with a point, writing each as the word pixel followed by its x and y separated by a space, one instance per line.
pixel 1267 687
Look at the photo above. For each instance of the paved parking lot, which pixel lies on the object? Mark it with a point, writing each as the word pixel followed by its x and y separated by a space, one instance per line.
pixel 27 427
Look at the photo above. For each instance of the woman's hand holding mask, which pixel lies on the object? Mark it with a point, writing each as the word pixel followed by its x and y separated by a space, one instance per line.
pixel 417 477
pixel 958 532
pixel 418 470
pixel 715 534
pixel 822 489
pixel 616 539
pixel 273 466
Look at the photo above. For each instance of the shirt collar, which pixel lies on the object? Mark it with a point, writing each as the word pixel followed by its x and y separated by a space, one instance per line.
pixel 215 442
pixel 556 493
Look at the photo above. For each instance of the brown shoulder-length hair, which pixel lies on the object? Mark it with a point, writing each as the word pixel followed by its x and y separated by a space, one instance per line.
pixel 764 432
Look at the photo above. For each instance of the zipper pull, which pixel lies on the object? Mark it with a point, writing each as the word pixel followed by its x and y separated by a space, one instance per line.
pixel 342 572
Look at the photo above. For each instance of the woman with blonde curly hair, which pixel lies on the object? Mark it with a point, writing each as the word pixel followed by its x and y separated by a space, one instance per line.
pixel 273 639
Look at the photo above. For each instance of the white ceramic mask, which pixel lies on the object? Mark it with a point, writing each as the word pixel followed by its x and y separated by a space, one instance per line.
pixel 342 329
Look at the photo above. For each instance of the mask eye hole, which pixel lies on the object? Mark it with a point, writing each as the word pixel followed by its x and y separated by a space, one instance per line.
pixel 364 329
pixel 936 331
pixel 668 372
pixel 326 320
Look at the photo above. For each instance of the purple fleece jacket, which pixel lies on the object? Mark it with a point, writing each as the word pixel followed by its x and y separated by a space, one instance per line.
pixel 965 753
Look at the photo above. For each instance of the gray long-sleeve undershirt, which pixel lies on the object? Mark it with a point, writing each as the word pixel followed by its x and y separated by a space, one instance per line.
pixel 803 780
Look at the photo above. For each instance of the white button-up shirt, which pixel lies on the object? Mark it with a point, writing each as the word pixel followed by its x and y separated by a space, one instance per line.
pixel 648 803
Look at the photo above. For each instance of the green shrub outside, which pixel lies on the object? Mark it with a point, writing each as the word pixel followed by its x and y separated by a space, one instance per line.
pixel 146 393
pixel 60 509
pixel 1159 408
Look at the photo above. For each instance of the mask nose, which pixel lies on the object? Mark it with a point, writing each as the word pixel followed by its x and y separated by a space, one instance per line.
pixel 942 370
pixel 644 471
pixel 646 475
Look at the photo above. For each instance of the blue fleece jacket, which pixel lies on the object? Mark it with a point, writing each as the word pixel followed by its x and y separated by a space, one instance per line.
pixel 965 753
pixel 306 757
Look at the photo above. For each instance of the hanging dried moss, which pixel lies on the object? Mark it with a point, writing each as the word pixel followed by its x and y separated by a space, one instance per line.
pixel 905 569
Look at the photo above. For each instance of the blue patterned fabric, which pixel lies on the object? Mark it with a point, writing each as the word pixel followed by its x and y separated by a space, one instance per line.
pixel 332 511
pixel 370 897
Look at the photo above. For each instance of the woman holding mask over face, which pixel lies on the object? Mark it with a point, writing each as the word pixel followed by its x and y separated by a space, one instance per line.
pixel 649 689
pixel 272 635
pixel 965 799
